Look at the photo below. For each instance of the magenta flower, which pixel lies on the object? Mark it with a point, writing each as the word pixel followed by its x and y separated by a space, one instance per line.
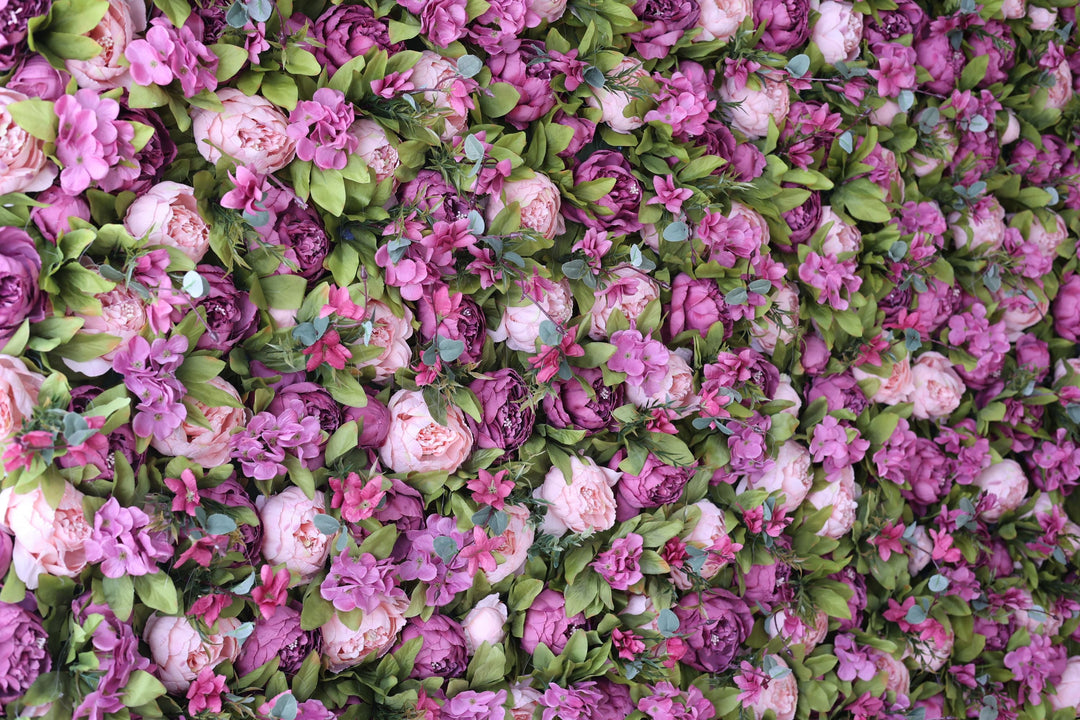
pixel 320 127
pixel 488 489
pixel 250 190
pixel 273 592
pixel 619 566
pixel 186 491
pixel 668 195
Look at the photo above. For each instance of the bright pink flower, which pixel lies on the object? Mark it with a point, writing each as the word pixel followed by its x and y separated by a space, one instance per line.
pixel 186 491
pixel 274 591
pixel 479 552
pixel 627 643
pixel 209 607
pixel 488 489
pixel 328 349
pixel 887 541
pixel 358 498
pixel 320 127
pixel 205 692
pixel 249 191
pixel 671 197
pixel 393 84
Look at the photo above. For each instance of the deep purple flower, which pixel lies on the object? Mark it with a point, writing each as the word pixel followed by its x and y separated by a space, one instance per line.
pixel 374 419
pixel 656 484
pixel 715 625
pixel 787 23
pixel 308 399
pixel 665 21
pixel 443 652
pixel 508 419
pixel 803 220
pixel 907 19
pixel 277 637
pixel 232 494
pixel 20 294
pixel 156 157
pixel 230 314
pixel 454 317
pixel 23 651
pixel 300 234
pixel 14 15
pixel 349 31
pixel 546 622
pixel 840 391
pixel 746 161
pixel 572 405
pixel 431 194
pixel 531 78
pixel 623 200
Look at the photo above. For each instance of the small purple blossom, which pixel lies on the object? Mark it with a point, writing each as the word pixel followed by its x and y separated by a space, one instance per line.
pixel 122 544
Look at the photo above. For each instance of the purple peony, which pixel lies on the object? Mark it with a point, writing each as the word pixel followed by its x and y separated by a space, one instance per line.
pixel 666 21
pixel 572 405
pixel 745 161
pixel 657 484
pixel 623 200
pixel 232 494
pixel 156 157
pixel 277 637
pixel 804 220
pixel 301 235
pixel 431 194
pixel 787 23
pixel 374 419
pixel 531 79
pixel 995 40
pixel 454 317
pixel 443 652
pixel 715 625
pixel 23 651
pixel 546 622
pixel 308 399
pixel 508 419
pixel 20 294
pixel 907 19
pixel 14 15
pixel 349 31
pixel 230 314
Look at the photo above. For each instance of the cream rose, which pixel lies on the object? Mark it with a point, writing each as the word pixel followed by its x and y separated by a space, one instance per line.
pixel 791 475
pixel 1060 93
pixel 1005 481
pixel 378 631
pixel 838 31
pixel 584 502
pixel 517 539
pixel 755 105
pixel 168 214
pixel 289 533
pixel 936 389
pixel 392 334
pixel 841 494
pixel 181 652
pixel 628 290
pixel 720 19
pixel 18 394
pixel 784 391
pixel 375 148
pixel 23 165
pixel 485 623
pixel 540 203
pixel 250 129
pixel 983 225
pixel 519 327
pixel 1066 692
pixel 208 447
pixel 416 443
pixel 122 22
pixel 613 104
pixel 47 540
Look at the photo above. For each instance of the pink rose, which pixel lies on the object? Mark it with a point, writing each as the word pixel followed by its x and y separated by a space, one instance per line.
pixel 517 539
pixel 391 333
pixel 896 388
pixel 785 391
pixel 168 214
pixel 720 19
pixel 1048 238
pixel 1007 483
pixel 838 31
pixel 781 695
pixel 628 290
pixel 485 623
pixel 936 389
pixel 123 315
pixel 709 531
pixel 181 652
pixel 250 129
pixel 1059 94
pixel 438 75
pixel 791 475
pixel 18 394
pixel 289 532
pixel 546 10
pixel 1019 312
pixel 897 677
pixel 753 106
pixel 540 202
pixel 841 494
pixel 583 502
pixel 1066 692
pixel 208 447
pixel 524 700
pixel 122 21
pixel 983 225
pixel 376 149
pixel 378 631
pixel 840 237
pixel 47 540
pixel 612 103
pixel 23 164
pixel 416 443
pixel 919 556
pixel 795 631
pixel 675 390
pixel 768 332
pixel 1041 18
pixel 520 324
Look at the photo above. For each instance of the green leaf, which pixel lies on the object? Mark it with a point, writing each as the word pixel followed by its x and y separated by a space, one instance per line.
pixel 176 10
pixel 147 96
pixel 401 31
pixel 524 592
pixel 300 61
pixel 280 89
pixel 120 596
pixel 158 592
pixel 230 60
pixel 504 97
pixel 142 688
pixel 307 677
pixel 76 18
pixel 35 116
pixel 328 190
pixel 343 440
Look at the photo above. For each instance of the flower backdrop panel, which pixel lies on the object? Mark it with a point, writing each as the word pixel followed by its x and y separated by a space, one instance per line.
pixel 544 359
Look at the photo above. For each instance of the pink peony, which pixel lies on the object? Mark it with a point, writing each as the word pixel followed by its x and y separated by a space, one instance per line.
pixel 23 164
pixel 517 539
pixel 168 214
pixel 781 695
pixel 18 395
pixel 1007 484
pixel 417 443
pixel 181 652
pixel 540 202
pixel 250 129
pixel 290 536
pixel 756 105
pixel 838 31
pixel 895 389
pixel 791 476
pixel 936 388
pixel 841 494
pixel 520 324
pixel 485 623
pixel 343 647
pixel 584 502
pixel 721 19
pixel 47 540
pixel 376 148
pixel 613 103
pixel 629 291
pixel 123 20
pixel 208 447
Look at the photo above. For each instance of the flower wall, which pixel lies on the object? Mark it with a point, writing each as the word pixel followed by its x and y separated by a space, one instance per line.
pixel 544 359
